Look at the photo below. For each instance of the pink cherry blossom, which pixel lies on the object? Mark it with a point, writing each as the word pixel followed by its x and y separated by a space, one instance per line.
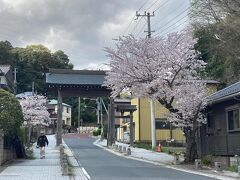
pixel 162 68
pixel 35 110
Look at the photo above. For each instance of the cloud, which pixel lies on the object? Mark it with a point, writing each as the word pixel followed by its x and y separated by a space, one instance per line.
pixel 80 28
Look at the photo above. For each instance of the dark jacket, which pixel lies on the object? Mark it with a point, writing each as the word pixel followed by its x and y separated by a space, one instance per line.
pixel 42 141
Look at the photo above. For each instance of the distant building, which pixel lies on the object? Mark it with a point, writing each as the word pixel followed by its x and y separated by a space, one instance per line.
pixel 6 77
pixel 52 107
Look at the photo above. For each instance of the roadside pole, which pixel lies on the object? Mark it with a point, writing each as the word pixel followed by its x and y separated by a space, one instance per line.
pixel 153 128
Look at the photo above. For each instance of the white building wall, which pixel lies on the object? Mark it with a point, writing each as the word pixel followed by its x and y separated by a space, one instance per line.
pixel 66 114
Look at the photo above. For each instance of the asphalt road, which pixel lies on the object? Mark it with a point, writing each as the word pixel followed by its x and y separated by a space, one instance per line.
pixel 103 165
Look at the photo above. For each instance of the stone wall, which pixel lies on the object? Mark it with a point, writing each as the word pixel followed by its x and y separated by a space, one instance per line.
pixel 5 154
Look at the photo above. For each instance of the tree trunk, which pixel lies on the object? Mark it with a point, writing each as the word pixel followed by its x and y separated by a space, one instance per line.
pixel 191 146
pixel 28 133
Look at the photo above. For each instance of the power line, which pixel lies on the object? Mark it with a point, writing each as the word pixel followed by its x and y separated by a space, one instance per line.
pixel 143 5
pixel 161 5
pixel 171 25
pixel 141 29
pixel 124 32
pixel 174 18
pixel 152 5
pixel 127 28
pixel 136 25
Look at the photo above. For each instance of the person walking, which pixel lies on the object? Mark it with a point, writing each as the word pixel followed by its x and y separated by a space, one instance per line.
pixel 41 142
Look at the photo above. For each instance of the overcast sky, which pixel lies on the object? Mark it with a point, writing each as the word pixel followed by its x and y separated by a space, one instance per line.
pixel 82 28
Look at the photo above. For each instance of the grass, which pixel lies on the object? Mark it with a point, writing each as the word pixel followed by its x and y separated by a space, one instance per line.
pixel 173 150
pixel 143 146
pixel 70 168
pixel 165 149
pixel 207 160
pixel 233 168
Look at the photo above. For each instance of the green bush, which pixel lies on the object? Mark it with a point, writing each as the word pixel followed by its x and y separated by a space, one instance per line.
pixel 21 134
pixel 233 168
pixel 143 145
pixel 207 160
pixel 95 133
pixel 11 117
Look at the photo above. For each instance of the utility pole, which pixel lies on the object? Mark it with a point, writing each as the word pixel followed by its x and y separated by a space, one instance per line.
pixel 98 109
pixel 148 15
pixel 153 126
pixel 79 111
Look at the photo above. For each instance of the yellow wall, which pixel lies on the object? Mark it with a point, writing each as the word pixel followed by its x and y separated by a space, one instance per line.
pixel 136 118
pixel 142 118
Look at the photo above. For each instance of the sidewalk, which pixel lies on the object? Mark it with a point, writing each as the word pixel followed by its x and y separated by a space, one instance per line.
pixel 37 169
pixel 167 160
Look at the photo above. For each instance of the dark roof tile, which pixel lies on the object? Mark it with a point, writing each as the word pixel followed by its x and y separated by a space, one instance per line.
pixel 230 90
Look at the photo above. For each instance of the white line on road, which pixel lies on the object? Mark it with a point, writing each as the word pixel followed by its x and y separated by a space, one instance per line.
pixel 86 174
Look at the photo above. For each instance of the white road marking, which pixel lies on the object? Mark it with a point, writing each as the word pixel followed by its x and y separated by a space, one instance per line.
pixel 86 174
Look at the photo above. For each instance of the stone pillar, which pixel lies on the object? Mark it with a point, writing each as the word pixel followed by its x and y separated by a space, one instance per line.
pixel 59 119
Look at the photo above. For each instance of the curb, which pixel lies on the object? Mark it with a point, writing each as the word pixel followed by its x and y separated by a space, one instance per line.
pixel 164 165
pixel 78 168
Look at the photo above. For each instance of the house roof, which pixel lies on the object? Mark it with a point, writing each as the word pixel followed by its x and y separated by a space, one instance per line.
pixel 229 91
pixel 55 102
pixel 75 77
pixel 4 68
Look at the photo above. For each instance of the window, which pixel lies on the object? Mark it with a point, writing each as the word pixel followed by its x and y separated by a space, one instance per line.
pixel 233 119
pixel 67 110
pixel 162 124
pixel 210 120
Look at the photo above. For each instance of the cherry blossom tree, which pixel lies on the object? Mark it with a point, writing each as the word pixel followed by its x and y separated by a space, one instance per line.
pixel 35 110
pixel 166 69
pixel 190 104
pixel 35 113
